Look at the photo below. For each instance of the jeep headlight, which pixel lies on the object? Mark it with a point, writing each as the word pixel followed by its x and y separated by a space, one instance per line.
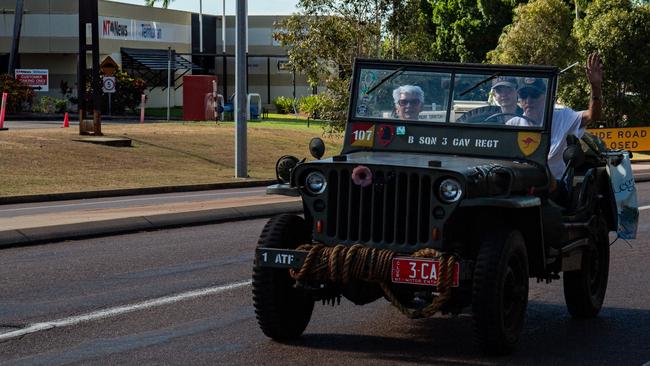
pixel 315 183
pixel 450 190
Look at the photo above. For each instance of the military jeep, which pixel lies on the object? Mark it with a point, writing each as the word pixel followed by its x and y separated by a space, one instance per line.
pixel 450 211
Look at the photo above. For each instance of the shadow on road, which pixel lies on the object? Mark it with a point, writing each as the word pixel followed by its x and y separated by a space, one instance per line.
pixel 551 337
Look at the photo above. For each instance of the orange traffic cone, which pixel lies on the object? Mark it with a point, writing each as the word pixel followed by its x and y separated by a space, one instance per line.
pixel 66 122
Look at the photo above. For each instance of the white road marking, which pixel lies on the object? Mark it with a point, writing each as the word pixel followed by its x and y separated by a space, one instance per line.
pixel 106 313
pixel 134 199
pixel 643 208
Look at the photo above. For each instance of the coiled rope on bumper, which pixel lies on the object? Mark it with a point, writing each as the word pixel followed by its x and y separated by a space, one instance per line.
pixel 342 264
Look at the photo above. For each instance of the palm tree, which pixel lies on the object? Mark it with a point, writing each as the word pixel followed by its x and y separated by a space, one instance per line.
pixel 15 41
pixel 165 3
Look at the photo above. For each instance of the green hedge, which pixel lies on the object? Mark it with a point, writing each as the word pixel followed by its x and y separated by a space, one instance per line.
pixel 47 104
pixel 284 105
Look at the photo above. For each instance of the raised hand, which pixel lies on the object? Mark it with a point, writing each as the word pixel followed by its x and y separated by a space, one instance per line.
pixel 594 69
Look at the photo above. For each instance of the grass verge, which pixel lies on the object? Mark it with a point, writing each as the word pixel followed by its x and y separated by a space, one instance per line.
pixel 49 161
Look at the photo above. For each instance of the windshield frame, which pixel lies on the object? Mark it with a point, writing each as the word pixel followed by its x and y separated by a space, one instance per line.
pixel 535 71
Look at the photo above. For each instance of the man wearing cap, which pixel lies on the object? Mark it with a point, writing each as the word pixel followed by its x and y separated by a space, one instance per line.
pixel 504 90
pixel 565 120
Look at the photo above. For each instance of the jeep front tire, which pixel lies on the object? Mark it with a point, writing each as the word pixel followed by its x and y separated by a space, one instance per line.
pixel 282 310
pixel 500 291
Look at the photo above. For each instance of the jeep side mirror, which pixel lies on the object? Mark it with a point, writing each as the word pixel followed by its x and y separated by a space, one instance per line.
pixel 317 147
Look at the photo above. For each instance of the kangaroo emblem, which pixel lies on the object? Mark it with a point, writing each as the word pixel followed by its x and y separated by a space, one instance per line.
pixel 528 141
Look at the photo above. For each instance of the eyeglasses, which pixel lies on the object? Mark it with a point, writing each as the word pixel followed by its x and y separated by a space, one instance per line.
pixel 502 89
pixel 404 102
pixel 532 93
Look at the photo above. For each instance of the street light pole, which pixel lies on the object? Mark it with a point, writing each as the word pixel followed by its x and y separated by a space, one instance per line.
pixel 223 28
pixel 201 26
pixel 169 80
pixel 240 91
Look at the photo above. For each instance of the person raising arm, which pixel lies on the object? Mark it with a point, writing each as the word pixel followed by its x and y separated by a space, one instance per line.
pixel 594 71
pixel 565 120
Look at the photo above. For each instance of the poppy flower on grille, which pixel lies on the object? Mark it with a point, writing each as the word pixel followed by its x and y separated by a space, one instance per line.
pixel 362 176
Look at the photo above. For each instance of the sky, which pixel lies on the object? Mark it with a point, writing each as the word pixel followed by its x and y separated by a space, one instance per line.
pixel 255 7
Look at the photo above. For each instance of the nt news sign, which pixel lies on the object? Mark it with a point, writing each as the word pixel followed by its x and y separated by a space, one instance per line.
pixel 142 30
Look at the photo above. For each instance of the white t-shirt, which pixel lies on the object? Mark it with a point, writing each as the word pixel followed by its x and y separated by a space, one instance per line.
pixel 566 122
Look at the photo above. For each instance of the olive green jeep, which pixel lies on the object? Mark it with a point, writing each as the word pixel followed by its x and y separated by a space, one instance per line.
pixel 441 200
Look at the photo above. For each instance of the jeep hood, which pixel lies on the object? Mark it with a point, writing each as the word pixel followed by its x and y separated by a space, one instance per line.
pixel 519 175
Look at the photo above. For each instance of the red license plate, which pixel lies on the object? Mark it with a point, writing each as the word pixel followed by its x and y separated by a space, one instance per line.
pixel 424 271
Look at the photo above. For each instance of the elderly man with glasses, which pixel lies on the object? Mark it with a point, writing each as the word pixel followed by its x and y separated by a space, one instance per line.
pixel 565 120
pixel 409 100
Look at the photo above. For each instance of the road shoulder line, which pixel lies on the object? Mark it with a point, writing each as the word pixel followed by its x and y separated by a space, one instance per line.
pixel 119 310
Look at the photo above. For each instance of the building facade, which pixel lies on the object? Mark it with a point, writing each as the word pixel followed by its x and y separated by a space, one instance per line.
pixel 141 40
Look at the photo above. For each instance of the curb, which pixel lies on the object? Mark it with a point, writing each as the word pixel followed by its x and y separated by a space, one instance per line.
pixel 132 191
pixel 74 117
pixel 29 236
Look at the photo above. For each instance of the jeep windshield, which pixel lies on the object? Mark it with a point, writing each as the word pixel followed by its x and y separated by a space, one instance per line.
pixel 442 95
pixel 487 111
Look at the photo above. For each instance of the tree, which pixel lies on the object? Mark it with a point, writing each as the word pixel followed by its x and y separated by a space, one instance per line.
pixel 410 32
pixel 467 29
pixel 323 40
pixel 540 34
pixel 15 42
pixel 326 35
pixel 620 31
pixel 165 3
pixel 19 94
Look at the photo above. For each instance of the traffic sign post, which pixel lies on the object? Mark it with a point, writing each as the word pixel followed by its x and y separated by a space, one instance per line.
pixel 108 87
pixel 89 25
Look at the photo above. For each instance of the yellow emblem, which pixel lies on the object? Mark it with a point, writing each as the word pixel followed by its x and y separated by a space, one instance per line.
pixel 528 142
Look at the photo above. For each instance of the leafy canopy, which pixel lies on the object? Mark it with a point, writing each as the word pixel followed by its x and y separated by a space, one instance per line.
pixel 165 3
pixel 540 34
pixel 620 31
pixel 326 35
pixel 467 29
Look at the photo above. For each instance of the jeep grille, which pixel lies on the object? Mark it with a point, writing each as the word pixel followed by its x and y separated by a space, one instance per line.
pixel 393 212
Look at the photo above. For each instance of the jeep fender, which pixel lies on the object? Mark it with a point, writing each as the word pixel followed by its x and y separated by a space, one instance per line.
pixel 521 213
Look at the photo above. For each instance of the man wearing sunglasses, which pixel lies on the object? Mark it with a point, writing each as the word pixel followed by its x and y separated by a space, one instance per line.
pixel 565 120
pixel 409 100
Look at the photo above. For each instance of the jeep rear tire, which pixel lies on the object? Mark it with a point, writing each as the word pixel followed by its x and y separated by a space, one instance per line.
pixel 584 290
pixel 500 291
pixel 283 311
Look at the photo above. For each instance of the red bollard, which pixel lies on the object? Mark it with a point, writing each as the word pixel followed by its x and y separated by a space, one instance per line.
pixel 2 111
pixel 142 99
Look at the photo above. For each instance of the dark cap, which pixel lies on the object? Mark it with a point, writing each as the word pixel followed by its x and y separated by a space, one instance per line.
pixel 504 81
pixel 534 84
